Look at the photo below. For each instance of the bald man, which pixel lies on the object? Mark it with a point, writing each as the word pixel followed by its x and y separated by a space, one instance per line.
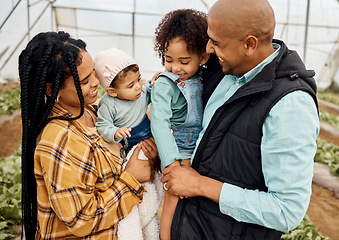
pixel 252 171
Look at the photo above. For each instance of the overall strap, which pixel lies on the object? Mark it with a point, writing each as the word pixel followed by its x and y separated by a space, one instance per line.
pixel 172 76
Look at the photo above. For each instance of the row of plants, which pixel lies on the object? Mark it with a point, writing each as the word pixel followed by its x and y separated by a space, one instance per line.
pixel 10 100
pixel 329 118
pixel 328 96
pixel 305 231
pixel 328 153
pixel 10 195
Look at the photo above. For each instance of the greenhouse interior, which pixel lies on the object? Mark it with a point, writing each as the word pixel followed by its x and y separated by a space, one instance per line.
pixel 310 27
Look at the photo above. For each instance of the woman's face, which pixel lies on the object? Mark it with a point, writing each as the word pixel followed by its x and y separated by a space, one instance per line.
pixel 68 97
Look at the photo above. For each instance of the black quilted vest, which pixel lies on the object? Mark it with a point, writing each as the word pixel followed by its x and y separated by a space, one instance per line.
pixel 230 150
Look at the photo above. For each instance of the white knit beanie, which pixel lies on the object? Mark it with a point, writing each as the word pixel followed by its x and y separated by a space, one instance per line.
pixel 109 63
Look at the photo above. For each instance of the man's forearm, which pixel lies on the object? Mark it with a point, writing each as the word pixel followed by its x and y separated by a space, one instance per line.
pixel 209 188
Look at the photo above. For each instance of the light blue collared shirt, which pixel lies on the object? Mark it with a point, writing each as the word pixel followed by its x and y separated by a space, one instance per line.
pixel 287 150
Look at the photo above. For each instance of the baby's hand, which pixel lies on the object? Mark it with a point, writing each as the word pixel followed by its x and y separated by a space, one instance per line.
pixel 154 78
pixel 122 132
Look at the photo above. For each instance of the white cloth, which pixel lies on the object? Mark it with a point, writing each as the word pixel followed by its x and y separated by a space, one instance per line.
pixel 143 221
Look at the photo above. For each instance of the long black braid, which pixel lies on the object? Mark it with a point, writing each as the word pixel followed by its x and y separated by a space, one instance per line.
pixel 49 57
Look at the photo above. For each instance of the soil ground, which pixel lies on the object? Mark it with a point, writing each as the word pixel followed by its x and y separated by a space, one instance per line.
pixel 323 210
pixel 10 134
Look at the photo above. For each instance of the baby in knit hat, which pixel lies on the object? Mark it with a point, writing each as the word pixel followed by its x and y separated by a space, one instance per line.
pixel 122 109
pixel 122 114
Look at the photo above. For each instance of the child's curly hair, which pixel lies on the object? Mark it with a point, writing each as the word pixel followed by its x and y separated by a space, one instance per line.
pixel 187 24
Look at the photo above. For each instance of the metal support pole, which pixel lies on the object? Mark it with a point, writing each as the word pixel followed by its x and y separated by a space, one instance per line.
pixel 10 14
pixel 28 22
pixel 288 17
pixel 52 6
pixel 133 28
pixel 306 28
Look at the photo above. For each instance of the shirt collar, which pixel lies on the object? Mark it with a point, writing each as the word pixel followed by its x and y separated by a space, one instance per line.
pixel 253 72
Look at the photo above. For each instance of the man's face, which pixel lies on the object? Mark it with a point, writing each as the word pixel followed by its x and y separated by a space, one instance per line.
pixel 229 49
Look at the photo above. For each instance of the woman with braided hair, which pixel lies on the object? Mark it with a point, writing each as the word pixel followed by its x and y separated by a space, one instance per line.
pixel 73 184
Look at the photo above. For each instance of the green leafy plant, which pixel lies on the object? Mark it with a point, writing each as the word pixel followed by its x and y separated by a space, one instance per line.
pixel 101 91
pixel 331 119
pixel 305 231
pixel 328 97
pixel 10 194
pixel 328 153
pixel 10 100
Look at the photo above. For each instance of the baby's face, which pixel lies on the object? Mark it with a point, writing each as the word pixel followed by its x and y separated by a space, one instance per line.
pixel 129 87
pixel 179 61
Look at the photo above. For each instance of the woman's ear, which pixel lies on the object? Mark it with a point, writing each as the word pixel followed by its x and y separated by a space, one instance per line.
pixel 204 58
pixel 49 89
pixel 111 91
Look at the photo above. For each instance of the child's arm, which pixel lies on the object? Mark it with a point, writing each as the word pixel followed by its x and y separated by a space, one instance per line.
pixel 169 206
pixel 105 124
pixel 161 113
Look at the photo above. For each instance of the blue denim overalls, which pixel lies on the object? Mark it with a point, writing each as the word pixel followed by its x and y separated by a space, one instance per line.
pixel 186 134
pixel 138 133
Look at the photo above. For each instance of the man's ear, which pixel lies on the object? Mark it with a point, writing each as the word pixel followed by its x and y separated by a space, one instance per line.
pixel 251 44
pixel 111 91
pixel 204 58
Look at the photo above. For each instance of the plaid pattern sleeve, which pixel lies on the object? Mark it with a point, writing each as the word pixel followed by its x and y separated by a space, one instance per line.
pixel 82 192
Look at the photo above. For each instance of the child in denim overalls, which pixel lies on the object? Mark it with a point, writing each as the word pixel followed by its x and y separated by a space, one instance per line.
pixel 177 109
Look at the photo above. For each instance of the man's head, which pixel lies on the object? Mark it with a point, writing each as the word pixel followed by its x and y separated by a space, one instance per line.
pixel 241 33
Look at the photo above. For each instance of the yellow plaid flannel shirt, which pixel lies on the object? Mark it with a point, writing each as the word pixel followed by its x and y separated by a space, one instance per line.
pixel 81 190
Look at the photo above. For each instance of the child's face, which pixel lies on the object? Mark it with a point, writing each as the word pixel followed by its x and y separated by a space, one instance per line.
pixel 129 87
pixel 179 61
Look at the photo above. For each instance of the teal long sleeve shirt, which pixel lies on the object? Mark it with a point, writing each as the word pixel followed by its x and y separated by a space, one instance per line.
pixel 168 109
pixel 114 113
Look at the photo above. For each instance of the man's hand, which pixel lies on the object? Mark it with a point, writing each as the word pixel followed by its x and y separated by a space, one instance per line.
pixel 181 180
pixel 184 181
